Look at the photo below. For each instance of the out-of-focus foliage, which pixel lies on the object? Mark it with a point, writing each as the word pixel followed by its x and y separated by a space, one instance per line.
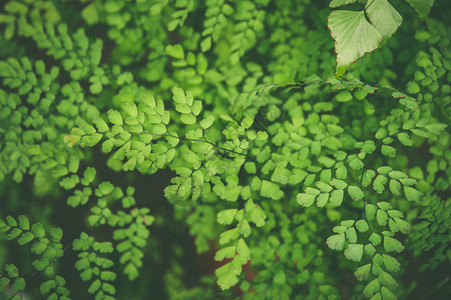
pixel 218 149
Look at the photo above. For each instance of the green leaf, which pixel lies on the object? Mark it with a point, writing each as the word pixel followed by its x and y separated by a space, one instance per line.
pixel 322 199
pixel 375 239
pixel 258 216
pixel 404 138
pixel 96 87
pixel 183 108
pixel 175 51
pixel 403 226
pixel 324 187
pixel 271 190
pixel 397 175
pixel 422 7
pixel 354 252
pixel 106 188
pixel 25 238
pixel 74 163
pixel 115 117
pixel 355 192
pixel 158 129
pixel 412 194
pixel 11 221
pixel 12 271
pixel 371 288
pixel 384 205
pixel 107 276
pixel 188 118
pixel 344 96
pixel 391 245
pixel 326 161
pixel 243 251
pixel 131 270
pixel 408 181
pixel 130 164
pixel 305 199
pixel 228 235
pixel 383 17
pixel 108 145
pixel 336 197
pixel 94 139
pixel 339 184
pixel 381 217
pixel 379 183
pixel 207 122
pixel 14 233
pixel 40 264
pixel 198 178
pixel 95 286
pixel 353 36
pixel 336 242
pixel 356 164
pixel 227 252
pixel 370 211
pixel 391 263
pixel 361 225
pixel 38 247
pixel 4 282
pixel 38 230
pixel 413 87
pixel 56 233
pixel 205 45
pixel 347 223
pixel 341 172
pixel 71 140
pixel 388 151
pixel 226 276
pixel 351 235
pixel 387 280
pixel 395 187
pixel 280 278
pixel 387 294
pixel 381 133
pixel 89 14
pixel 24 223
pixel 130 108
pixel 368 177
pixel 196 107
pixel 384 170
pixel 88 176
pixel 178 95
pixel 363 272
pixel 47 286
pixel 226 216
pixel 19 284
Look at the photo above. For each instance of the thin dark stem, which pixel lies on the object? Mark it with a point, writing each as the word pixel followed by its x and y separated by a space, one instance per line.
pixel 369 4
pixel 197 140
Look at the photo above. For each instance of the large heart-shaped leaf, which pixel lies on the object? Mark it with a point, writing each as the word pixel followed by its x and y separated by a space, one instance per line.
pixel 353 35
pixel 383 17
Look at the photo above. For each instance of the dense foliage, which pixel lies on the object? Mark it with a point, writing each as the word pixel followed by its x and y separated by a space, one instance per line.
pixel 219 149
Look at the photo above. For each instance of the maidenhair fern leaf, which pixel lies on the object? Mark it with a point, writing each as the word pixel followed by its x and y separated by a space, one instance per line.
pixel 354 252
